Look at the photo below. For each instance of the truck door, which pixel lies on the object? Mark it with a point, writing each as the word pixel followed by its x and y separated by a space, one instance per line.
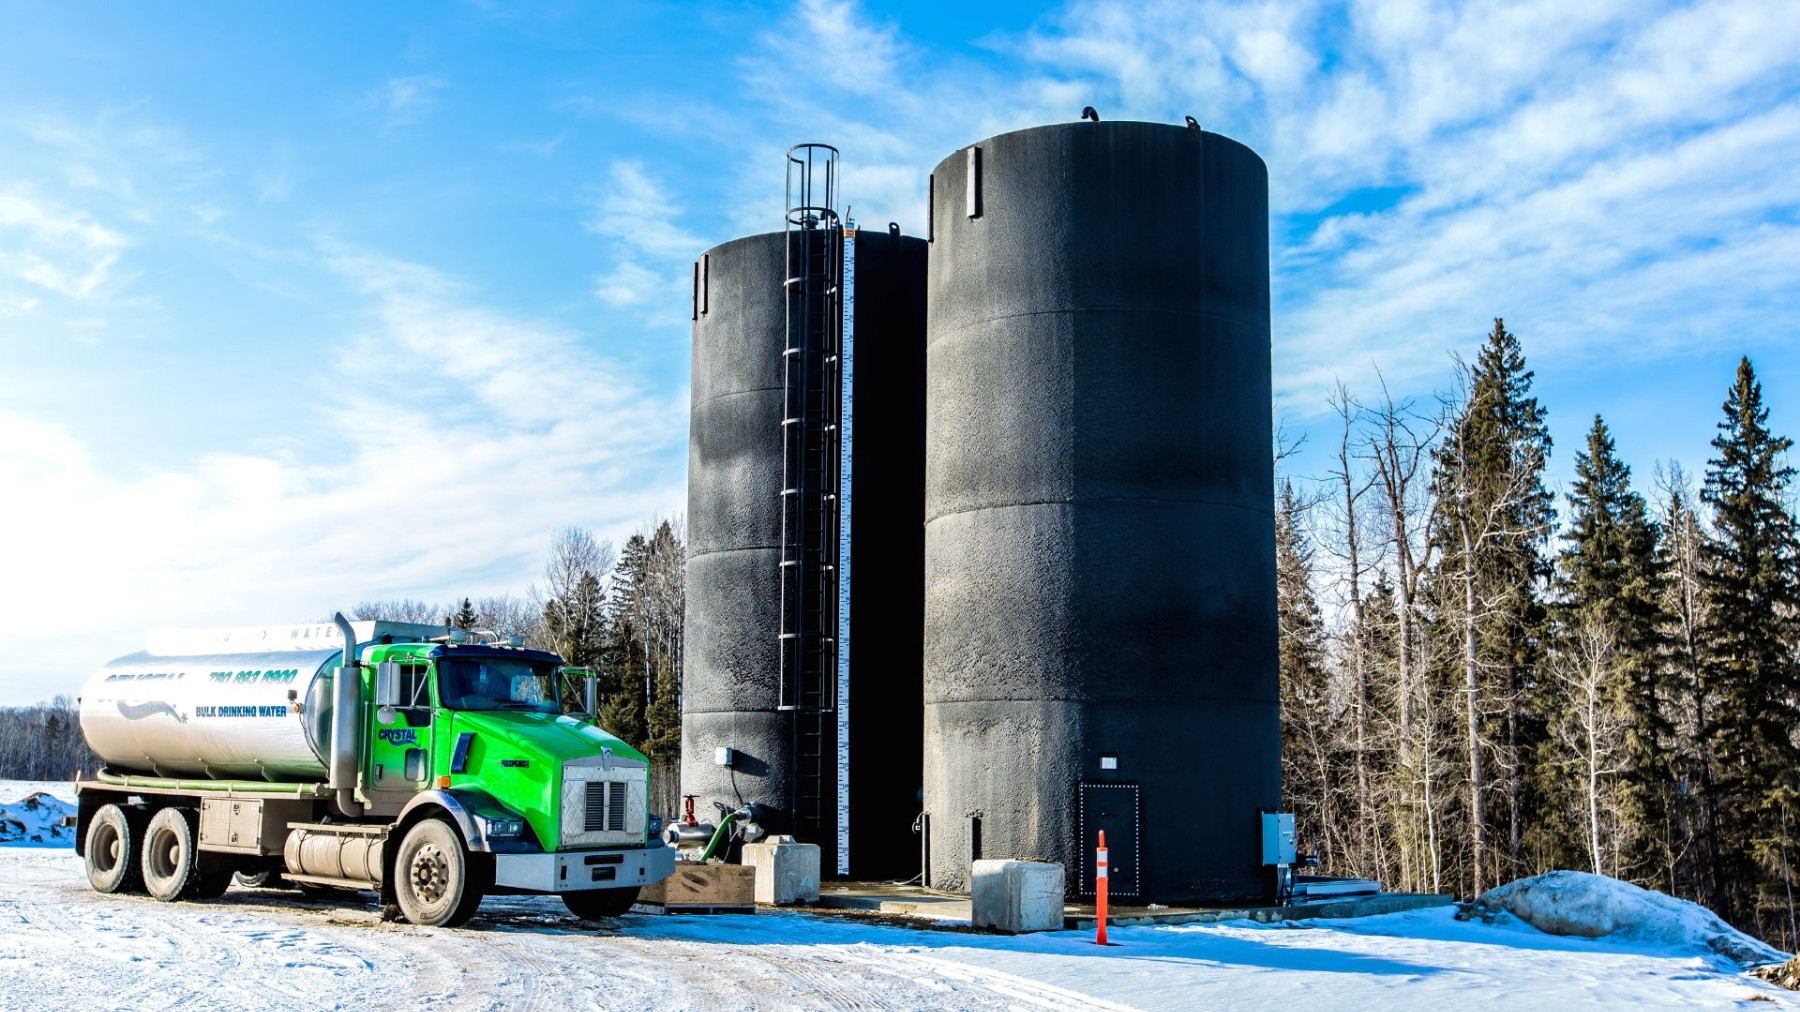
pixel 399 763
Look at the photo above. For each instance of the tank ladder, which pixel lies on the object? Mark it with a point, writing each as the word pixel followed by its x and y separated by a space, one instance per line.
pixel 813 387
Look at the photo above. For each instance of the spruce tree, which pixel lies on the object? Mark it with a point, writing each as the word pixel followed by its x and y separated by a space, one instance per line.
pixel 1306 704
pixel 465 617
pixel 1752 582
pixel 1692 849
pixel 575 621
pixel 626 684
pixel 642 690
pixel 666 594
pixel 1609 579
pixel 1493 522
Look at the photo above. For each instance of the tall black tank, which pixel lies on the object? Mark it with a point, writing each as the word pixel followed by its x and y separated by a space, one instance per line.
pixel 731 685
pixel 1100 643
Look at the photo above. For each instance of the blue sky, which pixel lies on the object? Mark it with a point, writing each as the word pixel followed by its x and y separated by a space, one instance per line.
pixel 302 305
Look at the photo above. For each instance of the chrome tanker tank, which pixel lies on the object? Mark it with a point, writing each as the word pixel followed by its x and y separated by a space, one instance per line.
pixel 232 703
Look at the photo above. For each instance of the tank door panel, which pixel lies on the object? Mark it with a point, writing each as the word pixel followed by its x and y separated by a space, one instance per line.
pixel 1114 807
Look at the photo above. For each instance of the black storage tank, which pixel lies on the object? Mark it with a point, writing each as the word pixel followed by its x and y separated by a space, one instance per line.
pixel 1100 642
pixel 731 684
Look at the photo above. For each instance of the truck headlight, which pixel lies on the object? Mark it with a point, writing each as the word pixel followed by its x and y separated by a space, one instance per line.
pixel 503 828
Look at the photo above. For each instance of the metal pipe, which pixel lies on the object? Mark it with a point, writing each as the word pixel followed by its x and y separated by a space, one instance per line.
pixel 346 706
pixel 719 835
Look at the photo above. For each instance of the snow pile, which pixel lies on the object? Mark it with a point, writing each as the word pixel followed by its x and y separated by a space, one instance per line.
pixel 33 822
pixel 1594 906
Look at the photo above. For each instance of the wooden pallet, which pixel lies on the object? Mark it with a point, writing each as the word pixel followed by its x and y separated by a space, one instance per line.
pixel 702 889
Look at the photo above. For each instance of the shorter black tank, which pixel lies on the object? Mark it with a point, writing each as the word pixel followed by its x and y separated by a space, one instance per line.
pixel 731 690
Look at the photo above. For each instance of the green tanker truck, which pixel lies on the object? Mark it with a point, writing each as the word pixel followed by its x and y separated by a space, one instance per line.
pixel 434 767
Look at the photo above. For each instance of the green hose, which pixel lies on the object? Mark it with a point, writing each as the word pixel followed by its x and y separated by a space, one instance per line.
pixel 127 780
pixel 718 836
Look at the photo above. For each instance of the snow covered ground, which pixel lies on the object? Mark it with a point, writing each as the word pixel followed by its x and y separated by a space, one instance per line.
pixel 63 946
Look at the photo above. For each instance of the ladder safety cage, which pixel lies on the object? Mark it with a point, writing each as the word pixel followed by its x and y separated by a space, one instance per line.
pixel 811 466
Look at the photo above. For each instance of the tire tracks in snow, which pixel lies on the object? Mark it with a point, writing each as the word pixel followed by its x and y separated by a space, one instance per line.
pixel 64 946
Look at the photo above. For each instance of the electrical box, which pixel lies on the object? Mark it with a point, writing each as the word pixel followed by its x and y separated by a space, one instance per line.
pixel 725 755
pixel 1278 838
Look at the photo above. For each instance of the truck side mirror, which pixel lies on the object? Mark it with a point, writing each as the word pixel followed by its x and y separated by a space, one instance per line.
pixel 387 684
pixel 590 687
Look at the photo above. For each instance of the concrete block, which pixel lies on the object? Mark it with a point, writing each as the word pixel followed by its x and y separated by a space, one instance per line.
pixel 786 871
pixel 1017 896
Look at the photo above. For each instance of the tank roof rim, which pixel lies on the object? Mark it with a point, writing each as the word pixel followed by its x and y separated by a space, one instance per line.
pixel 774 236
pixel 1108 125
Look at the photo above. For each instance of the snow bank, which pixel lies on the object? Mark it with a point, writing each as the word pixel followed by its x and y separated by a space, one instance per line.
pixel 32 822
pixel 1594 906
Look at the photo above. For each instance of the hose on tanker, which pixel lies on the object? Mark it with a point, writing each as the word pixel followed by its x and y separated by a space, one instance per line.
pixel 130 780
pixel 719 835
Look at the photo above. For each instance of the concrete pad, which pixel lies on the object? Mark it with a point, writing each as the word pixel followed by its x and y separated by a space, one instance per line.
pixel 946 910
pixel 1017 896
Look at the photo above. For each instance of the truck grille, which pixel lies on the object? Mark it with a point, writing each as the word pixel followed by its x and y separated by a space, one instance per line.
pixel 605 807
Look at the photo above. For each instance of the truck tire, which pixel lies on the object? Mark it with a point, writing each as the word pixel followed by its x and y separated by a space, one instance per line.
pixel 114 839
pixel 593 904
pixel 434 879
pixel 172 854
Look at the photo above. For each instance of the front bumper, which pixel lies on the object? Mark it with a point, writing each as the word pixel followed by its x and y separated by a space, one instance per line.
pixel 578 870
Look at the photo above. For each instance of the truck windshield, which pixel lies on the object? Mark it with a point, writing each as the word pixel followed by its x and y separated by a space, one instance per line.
pixel 496 683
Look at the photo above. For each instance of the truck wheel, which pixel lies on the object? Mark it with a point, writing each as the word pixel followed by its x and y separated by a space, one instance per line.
pixel 434 879
pixel 172 854
pixel 593 904
pixel 113 839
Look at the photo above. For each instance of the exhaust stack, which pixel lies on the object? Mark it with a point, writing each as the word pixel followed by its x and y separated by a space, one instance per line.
pixel 346 701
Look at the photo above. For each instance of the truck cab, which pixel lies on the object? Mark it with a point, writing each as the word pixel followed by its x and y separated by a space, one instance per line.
pixel 478 731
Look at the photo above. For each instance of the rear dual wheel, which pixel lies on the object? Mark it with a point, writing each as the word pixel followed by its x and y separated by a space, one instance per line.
pixel 171 859
pixel 114 838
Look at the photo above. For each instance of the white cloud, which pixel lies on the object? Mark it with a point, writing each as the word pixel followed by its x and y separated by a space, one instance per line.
pixel 862 57
pixel 629 285
pixel 1586 171
pixel 456 441
pixel 651 252
pixel 405 101
pixel 55 249
pixel 640 212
